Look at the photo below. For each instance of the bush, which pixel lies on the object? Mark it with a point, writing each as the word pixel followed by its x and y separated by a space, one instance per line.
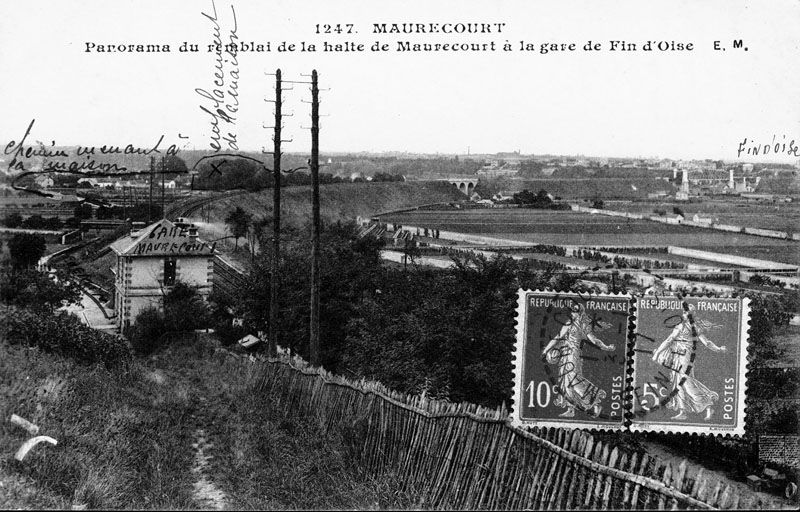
pixel 62 334
pixel 26 249
pixel 185 309
pixel 147 332
pixel 227 333
pixel 28 288
pixel 13 220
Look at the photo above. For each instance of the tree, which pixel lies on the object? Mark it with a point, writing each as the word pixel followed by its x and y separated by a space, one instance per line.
pixel 174 166
pixel 34 222
pixel 184 309
pixel 257 230
pixel 35 290
pixel 83 211
pixel 349 267
pixel 12 220
pixel 147 332
pixel 25 249
pixel 238 222
pixel 447 332
pixel 410 252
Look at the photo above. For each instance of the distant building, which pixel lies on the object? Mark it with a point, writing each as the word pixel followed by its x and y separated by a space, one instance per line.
pixel 503 197
pixel 497 172
pixel 152 259
pixel 747 167
pixel 683 193
pixel 91 181
pixel 43 181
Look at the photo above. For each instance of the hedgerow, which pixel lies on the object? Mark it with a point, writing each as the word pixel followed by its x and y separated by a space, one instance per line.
pixel 63 334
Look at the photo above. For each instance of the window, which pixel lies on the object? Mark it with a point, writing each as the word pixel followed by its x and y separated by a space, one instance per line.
pixel 169 271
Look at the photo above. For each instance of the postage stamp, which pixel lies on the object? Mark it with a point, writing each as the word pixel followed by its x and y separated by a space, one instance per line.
pixel 570 360
pixel 690 365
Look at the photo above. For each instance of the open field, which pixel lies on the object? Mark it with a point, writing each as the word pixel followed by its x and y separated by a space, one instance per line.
pixel 574 228
pixel 582 188
pixel 738 212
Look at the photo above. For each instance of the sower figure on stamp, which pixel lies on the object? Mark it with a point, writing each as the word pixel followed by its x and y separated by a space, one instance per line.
pixel 675 353
pixel 564 351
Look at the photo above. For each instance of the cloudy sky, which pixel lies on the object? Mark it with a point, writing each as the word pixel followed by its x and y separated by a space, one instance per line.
pixel 682 104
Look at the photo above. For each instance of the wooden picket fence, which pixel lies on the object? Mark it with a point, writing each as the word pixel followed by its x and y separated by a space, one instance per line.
pixel 463 456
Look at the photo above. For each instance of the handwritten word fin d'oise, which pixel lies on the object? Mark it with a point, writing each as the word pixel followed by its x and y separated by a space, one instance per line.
pixel 223 100
pixel 83 158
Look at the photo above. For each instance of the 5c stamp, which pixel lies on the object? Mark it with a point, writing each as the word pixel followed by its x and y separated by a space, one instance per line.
pixel 689 365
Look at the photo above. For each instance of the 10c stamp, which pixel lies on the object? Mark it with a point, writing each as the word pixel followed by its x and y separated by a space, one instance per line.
pixel 571 360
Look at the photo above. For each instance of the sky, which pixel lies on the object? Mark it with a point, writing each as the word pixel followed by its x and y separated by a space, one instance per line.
pixel 681 104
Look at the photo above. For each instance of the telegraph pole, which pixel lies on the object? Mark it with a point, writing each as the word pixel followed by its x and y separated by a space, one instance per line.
pixel 150 203
pixel 162 187
pixel 276 216
pixel 314 165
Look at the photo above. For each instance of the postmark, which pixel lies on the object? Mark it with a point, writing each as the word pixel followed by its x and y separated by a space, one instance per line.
pixel 571 361
pixel 690 365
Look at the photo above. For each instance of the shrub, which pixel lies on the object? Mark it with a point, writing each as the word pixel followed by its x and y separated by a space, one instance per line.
pixel 25 249
pixel 227 333
pixel 185 309
pixel 62 334
pixel 13 220
pixel 147 332
pixel 28 288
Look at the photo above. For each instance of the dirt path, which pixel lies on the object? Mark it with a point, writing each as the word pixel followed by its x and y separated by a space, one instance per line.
pixel 206 494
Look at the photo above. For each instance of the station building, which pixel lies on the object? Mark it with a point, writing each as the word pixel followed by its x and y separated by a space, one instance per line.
pixel 151 259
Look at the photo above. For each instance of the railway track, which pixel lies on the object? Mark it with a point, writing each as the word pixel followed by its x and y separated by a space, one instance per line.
pixel 189 206
pixel 228 280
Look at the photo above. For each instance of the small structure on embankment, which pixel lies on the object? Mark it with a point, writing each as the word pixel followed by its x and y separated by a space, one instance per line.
pixel 151 259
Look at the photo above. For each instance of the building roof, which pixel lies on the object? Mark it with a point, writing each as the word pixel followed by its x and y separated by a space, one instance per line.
pixel 162 238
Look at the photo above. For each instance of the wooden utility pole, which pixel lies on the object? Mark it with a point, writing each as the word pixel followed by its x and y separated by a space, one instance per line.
pixel 162 187
pixel 150 203
pixel 315 221
pixel 276 216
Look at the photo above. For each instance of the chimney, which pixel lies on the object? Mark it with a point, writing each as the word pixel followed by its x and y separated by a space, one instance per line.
pixel 136 228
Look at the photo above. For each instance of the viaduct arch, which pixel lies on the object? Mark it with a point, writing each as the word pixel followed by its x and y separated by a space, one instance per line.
pixel 464 185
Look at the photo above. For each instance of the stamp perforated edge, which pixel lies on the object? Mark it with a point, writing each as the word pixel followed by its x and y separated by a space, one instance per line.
pixel 741 417
pixel 518 365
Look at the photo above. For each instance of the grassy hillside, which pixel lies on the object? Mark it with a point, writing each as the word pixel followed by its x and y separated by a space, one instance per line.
pixel 125 438
pixel 345 201
pixel 338 202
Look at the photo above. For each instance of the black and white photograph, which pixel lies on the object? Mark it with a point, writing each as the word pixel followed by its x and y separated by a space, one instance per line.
pixel 400 255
